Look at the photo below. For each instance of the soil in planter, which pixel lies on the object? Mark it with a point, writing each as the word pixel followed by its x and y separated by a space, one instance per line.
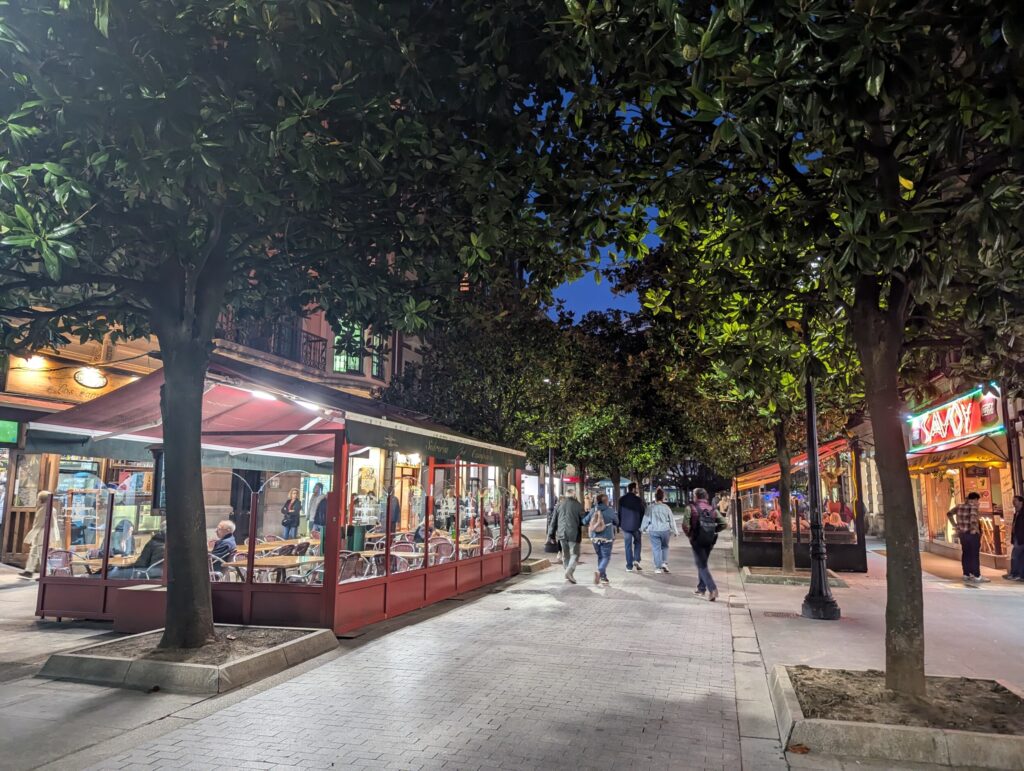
pixel 232 643
pixel 955 703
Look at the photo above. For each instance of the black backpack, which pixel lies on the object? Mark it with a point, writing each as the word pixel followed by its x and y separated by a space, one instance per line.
pixel 707 527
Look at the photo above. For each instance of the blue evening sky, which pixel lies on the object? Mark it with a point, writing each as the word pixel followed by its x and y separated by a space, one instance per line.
pixel 586 295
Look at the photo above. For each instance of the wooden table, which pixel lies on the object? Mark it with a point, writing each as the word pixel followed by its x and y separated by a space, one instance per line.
pixel 371 555
pixel 280 564
pixel 260 548
pixel 95 564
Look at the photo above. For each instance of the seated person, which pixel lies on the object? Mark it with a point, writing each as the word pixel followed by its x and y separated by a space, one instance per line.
pixel 225 544
pixel 145 566
pixel 834 522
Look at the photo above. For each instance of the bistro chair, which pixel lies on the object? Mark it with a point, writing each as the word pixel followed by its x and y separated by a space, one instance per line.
pixel 442 549
pixel 351 567
pixel 488 544
pixel 154 571
pixel 59 563
pixel 301 549
pixel 400 564
pixel 272 538
pixel 402 538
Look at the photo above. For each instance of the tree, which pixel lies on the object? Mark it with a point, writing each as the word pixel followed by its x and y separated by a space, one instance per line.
pixel 890 133
pixel 165 161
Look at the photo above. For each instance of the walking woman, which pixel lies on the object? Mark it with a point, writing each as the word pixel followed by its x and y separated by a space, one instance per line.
pixel 703 530
pixel 34 537
pixel 601 522
pixel 660 525
pixel 290 512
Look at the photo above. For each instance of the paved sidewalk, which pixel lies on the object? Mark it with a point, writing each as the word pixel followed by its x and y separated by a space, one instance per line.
pixel 538 674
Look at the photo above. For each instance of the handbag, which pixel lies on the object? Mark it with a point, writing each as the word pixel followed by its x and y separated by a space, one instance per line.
pixel 551 546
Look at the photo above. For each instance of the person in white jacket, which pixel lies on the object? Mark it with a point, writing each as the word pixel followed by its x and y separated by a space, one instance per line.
pixel 660 525
pixel 34 537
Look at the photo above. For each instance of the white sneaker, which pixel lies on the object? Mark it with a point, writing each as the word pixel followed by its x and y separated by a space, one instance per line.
pixel 982 580
pixel 968 579
pixel 663 568
pixel 629 570
pixel 660 570
pixel 636 567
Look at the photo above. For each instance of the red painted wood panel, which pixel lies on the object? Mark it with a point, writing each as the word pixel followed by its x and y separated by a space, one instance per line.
pixel 286 607
pixel 76 598
pixel 468 576
pixel 359 607
pixel 492 569
pixel 405 594
pixel 440 584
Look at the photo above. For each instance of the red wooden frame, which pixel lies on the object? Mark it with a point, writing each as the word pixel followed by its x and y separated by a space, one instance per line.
pixel 341 607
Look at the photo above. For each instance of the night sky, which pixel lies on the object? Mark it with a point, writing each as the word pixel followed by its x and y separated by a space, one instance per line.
pixel 586 295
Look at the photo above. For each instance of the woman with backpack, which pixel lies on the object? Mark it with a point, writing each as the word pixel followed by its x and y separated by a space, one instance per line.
pixel 703 530
pixel 601 522
pixel 660 525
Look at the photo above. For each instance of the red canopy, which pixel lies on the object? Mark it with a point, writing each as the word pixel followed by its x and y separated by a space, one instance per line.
pixel 132 412
pixel 772 472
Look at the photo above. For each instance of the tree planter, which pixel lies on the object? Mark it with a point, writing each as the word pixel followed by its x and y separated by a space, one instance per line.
pixel 882 741
pixel 111 664
pixel 799 577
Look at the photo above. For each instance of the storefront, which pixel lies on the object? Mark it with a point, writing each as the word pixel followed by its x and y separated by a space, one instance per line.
pixel 757 519
pixel 956 448
pixel 413 513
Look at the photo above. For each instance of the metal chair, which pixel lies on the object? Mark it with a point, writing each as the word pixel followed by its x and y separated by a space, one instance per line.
pixel 272 538
pixel 301 549
pixel 352 566
pixel 442 549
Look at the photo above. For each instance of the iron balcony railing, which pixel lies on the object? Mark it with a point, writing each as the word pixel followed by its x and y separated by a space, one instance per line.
pixel 285 339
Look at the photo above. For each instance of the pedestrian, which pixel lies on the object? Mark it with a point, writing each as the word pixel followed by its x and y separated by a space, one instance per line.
pixel 724 504
pixel 313 503
pixel 34 537
pixel 565 528
pixel 290 513
pixel 703 532
pixel 660 525
pixel 601 522
pixel 1017 541
pixel 631 516
pixel 965 519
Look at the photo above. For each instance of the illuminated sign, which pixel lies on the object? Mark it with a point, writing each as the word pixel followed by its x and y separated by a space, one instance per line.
pixel 10 433
pixel 969 416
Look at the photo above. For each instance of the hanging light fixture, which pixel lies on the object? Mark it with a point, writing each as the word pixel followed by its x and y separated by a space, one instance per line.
pixel 35 362
pixel 90 377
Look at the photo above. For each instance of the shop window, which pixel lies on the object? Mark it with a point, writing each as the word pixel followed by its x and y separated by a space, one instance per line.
pixel 445 515
pixel 364 529
pixel 348 348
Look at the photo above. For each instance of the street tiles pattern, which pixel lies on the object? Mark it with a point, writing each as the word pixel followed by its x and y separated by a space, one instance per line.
pixel 540 675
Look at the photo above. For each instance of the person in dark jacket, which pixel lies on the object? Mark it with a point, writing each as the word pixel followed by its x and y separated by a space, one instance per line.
pixel 290 513
pixel 631 514
pixel 565 528
pixel 1017 540
pixel 225 545
pixel 702 540
pixel 148 563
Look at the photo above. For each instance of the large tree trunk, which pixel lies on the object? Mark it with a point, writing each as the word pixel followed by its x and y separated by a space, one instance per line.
pixel 780 430
pixel 878 332
pixel 189 622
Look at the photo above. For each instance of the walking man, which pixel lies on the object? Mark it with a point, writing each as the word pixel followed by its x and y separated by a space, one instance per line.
pixel 631 515
pixel 1017 541
pixel 565 528
pixel 965 519
pixel 703 533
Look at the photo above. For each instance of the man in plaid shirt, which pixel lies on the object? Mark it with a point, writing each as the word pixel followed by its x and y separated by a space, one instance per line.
pixel 965 519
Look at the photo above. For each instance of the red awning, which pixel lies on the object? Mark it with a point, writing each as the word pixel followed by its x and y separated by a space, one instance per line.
pixel 773 471
pixel 132 412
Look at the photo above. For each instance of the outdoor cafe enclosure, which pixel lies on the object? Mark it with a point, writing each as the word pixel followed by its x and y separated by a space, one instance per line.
pixel 410 513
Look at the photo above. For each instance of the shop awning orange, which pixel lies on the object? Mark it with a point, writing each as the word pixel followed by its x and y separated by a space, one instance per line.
pixel 988 450
pixel 771 473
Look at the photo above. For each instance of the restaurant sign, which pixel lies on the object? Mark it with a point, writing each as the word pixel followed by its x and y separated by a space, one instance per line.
pixel 967 417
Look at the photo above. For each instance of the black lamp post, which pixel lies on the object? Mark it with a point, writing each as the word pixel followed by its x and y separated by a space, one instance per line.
pixel 819 602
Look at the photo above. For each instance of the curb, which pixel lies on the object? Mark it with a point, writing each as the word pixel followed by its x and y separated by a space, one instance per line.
pixel 878 741
pixel 88 665
pixel 753 578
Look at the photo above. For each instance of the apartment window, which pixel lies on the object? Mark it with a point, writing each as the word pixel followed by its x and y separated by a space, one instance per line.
pixel 348 348
pixel 377 352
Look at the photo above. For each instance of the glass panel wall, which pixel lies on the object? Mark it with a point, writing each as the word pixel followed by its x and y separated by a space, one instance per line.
pixel 470 498
pixel 286 550
pixel 405 504
pixel 81 503
pixel 443 503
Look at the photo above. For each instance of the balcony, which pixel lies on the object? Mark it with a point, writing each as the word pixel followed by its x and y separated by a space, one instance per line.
pixel 286 339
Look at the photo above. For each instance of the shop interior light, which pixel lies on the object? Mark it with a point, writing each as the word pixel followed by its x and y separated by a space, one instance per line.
pixel 263 395
pixel 90 377
pixel 35 362
pixel 309 406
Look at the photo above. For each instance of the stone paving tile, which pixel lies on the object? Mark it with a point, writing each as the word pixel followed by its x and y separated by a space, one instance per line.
pixel 637 675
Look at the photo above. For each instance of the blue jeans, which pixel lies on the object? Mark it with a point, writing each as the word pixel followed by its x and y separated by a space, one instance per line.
pixel 603 550
pixel 632 543
pixel 291 531
pixel 705 581
pixel 1017 561
pixel 659 545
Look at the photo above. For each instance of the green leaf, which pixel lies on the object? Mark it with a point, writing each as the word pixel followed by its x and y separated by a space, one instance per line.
pixel 876 74
pixel 23 215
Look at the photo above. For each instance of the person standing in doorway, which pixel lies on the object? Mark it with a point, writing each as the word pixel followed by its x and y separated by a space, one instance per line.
pixel 290 513
pixel 631 516
pixel 703 533
pixel 314 503
pixel 565 527
pixel 660 525
pixel 601 522
pixel 1017 541
pixel 965 519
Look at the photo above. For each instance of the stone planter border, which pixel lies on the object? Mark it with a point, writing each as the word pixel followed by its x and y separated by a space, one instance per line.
pixel 89 665
pixel 760 578
pixel 842 738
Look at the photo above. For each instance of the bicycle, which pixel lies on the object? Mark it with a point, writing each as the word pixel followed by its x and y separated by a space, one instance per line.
pixel 525 548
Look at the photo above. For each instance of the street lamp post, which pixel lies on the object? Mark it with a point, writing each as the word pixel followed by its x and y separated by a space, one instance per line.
pixel 819 602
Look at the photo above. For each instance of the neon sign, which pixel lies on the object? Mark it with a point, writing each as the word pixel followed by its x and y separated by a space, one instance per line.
pixel 969 416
